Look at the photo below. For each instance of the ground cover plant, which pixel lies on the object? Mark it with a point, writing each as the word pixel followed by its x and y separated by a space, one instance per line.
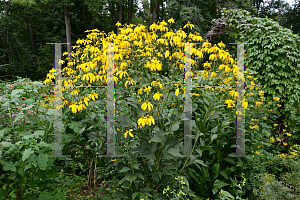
pixel 149 122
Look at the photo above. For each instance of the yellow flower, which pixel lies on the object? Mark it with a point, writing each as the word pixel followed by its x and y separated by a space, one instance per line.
pixel 288 134
pixel 246 104
pixel 189 25
pixel 171 21
pixel 284 143
pixel 258 104
pixel 74 108
pixel 275 124
pixel 278 139
pixel 147 90
pixel 221 44
pixel 156 96
pixel 257 152
pixel 128 132
pixel 278 105
pixel 147 104
pixel 294 153
pixel 118 24
pixel 261 93
pixel 276 98
pixel 130 81
pixel 142 121
pixel 272 139
pixel 149 120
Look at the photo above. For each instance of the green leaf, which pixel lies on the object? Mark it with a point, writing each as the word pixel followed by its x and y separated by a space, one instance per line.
pixel 59 196
pixel 9 166
pixel 38 133
pixel 3 131
pixel 45 196
pixel 132 178
pixel 218 185
pixel 214 136
pixel 136 166
pixel 146 190
pixel 21 171
pixel 226 194
pixel 42 161
pixel 215 171
pixel 140 176
pixel 175 127
pixel 173 152
pixel 26 154
pixel 16 93
pixel 124 169
pixel 199 162
pixel 156 138
pixel 224 174
pixel 125 121
pixel 205 148
pixel 201 126
pixel 134 195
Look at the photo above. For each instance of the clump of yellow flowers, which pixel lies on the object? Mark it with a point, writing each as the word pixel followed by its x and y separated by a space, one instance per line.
pixel 141 53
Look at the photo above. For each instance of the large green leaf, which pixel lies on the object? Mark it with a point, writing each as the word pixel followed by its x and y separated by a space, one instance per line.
pixel 27 153
pixel 174 152
pixel 215 171
pixel 9 166
pixel 218 185
pixel 201 126
pixel 156 138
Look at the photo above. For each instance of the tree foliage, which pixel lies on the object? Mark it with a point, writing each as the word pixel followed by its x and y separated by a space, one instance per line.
pixel 275 55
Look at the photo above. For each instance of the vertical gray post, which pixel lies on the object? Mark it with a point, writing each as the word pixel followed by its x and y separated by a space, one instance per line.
pixel 110 103
pixel 58 123
pixel 188 103
pixel 240 135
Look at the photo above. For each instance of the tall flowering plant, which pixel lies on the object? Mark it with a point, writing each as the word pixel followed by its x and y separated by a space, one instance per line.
pixel 149 68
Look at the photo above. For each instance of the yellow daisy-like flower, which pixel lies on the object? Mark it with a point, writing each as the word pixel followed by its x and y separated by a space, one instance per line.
pixel 150 120
pixel 142 121
pixel 276 98
pixel 288 134
pixel 258 104
pixel 73 107
pixel 128 132
pixel 147 90
pixel 284 143
pixel 257 152
pixel 118 24
pixel 130 81
pixel 147 104
pixel 171 21
pixel 156 96
pixel 221 44
pixel 278 139
pixel 272 139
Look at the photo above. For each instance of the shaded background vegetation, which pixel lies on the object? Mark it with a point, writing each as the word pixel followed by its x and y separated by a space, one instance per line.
pixel 27 25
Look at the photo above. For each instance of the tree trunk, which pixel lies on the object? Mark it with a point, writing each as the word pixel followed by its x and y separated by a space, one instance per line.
pixel 130 10
pixel 154 8
pixel 163 10
pixel 123 14
pixel 119 14
pixel 5 33
pixel 31 36
pixel 68 30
